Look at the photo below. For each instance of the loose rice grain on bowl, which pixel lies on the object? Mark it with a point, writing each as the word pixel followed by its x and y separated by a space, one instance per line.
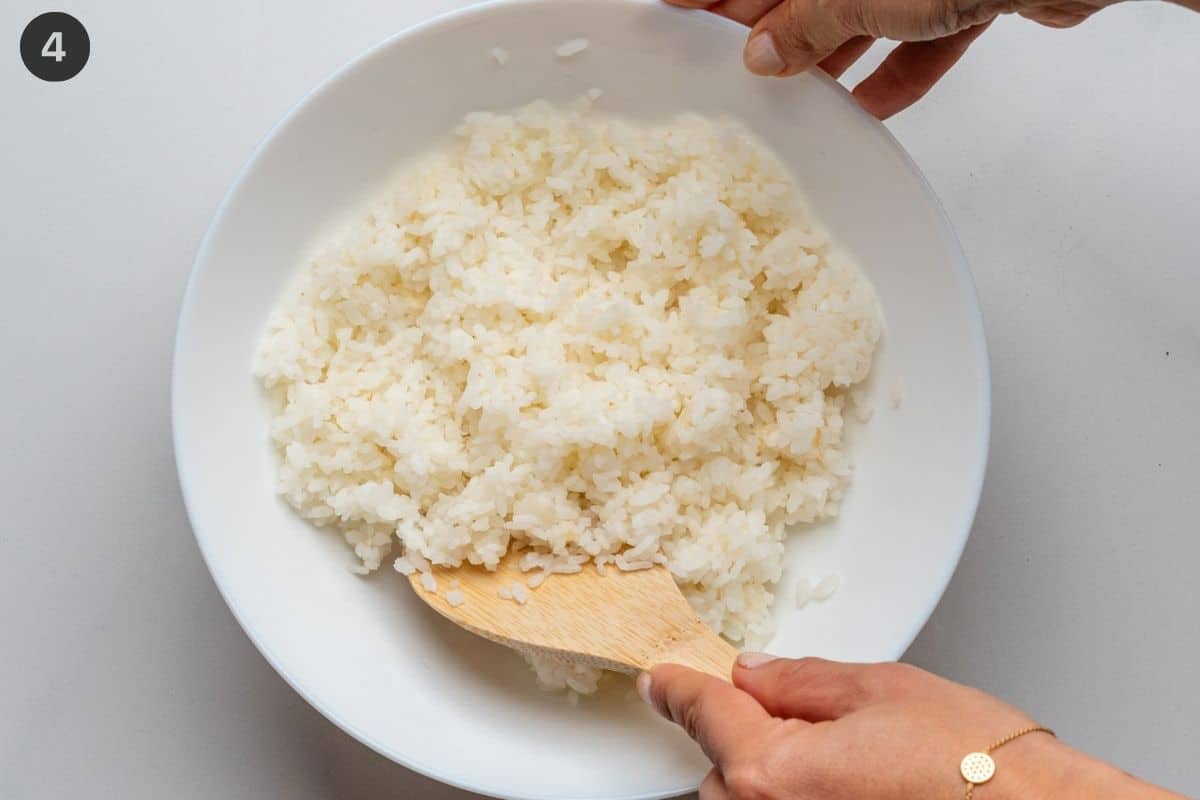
pixel 596 339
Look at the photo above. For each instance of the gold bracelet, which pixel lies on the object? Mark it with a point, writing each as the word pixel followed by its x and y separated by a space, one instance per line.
pixel 977 768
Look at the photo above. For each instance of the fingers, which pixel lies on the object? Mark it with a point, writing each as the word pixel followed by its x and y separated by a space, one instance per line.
pixel 1059 15
pixel 789 36
pixel 794 36
pixel 772 46
pixel 816 690
pixel 844 57
pixel 713 787
pixel 910 71
pixel 747 12
pixel 719 717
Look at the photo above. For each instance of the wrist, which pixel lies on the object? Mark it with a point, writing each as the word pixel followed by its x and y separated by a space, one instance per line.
pixel 1034 767
pixel 1040 767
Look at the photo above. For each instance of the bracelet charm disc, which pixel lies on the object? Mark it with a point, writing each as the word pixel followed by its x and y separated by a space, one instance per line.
pixel 977 768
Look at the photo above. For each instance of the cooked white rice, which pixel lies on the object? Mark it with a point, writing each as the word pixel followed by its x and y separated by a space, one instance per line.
pixel 520 593
pixel 596 339
pixel 804 590
pixel 826 587
pixel 572 47
pixel 499 55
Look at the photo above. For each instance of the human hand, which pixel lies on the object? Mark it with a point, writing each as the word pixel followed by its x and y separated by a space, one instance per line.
pixel 789 36
pixel 822 730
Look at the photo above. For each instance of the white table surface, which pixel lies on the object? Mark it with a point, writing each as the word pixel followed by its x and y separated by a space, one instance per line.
pixel 1068 161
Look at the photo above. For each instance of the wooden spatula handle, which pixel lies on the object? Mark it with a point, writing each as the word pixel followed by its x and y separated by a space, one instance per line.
pixel 702 650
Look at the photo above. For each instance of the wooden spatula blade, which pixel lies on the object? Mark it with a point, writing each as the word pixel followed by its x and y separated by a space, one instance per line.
pixel 625 621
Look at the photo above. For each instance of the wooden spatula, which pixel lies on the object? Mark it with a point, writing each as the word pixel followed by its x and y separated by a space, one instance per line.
pixel 624 621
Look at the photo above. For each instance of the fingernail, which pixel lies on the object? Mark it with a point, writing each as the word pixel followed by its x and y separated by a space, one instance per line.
pixel 643 688
pixel 762 56
pixel 752 660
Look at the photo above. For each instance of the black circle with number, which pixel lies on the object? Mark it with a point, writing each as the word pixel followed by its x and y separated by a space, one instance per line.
pixel 55 46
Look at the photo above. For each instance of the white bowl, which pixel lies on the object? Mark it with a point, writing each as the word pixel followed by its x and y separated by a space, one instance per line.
pixel 365 652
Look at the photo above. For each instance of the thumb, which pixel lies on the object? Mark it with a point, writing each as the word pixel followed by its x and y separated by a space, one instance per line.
pixel 723 720
pixel 797 34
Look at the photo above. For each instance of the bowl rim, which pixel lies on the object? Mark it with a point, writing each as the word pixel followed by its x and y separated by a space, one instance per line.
pixel 480 9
